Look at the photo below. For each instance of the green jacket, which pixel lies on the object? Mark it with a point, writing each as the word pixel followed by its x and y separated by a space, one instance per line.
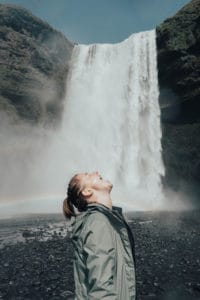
pixel 104 262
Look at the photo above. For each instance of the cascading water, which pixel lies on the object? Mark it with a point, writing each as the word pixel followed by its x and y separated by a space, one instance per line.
pixel 111 123
pixel 112 118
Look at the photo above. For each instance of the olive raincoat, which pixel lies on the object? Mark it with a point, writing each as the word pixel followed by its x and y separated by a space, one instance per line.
pixel 104 256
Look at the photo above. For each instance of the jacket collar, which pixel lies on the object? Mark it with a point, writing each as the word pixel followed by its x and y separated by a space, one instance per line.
pixel 98 204
pixel 115 209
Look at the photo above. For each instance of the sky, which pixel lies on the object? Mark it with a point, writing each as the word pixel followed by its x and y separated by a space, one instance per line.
pixel 101 21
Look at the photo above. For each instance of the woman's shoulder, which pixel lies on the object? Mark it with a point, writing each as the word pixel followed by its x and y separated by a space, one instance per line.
pixel 95 218
pixel 98 228
pixel 95 222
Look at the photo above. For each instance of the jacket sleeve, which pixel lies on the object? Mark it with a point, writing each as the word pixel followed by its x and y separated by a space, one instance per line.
pixel 100 257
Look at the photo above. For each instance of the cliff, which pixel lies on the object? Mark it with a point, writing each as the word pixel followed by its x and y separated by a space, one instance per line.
pixel 34 66
pixel 178 42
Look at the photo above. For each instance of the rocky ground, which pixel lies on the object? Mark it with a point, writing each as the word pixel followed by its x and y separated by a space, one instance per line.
pixel 167 257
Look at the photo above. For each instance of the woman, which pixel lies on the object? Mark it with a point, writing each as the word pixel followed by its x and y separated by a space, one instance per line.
pixel 104 258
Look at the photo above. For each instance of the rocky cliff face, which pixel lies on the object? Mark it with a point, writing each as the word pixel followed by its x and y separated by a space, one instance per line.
pixel 178 41
pixel 34 65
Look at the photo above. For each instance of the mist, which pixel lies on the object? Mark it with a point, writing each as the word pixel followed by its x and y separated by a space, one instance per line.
pixel 110 123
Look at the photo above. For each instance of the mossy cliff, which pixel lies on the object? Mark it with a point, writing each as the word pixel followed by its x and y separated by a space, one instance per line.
pixel 178 42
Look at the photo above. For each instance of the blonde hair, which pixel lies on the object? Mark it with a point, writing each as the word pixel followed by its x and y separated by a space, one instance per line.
pixel 74 198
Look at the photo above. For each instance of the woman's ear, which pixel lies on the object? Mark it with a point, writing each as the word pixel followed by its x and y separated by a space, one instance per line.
pixel 87 192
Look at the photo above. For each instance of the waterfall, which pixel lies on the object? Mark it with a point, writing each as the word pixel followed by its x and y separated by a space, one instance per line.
pixel 111 123
pixel 112 118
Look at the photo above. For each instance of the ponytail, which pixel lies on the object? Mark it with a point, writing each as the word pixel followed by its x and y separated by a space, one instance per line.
pixel 68 209
pixel 74 199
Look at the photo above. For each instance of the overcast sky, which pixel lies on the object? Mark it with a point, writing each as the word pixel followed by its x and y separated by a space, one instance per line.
pixel 101 21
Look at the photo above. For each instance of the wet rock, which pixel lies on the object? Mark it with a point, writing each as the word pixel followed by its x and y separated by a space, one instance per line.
pixel 28 233
pixel 6 265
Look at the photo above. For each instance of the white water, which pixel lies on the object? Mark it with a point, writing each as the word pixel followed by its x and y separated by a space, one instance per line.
pixel 112 118
pixel 111 123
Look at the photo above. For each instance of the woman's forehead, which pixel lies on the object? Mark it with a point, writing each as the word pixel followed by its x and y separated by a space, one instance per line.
pixel 80 176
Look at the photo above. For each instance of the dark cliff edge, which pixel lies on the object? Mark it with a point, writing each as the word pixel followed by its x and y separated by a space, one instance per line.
pixel 34 64
pixel 178 42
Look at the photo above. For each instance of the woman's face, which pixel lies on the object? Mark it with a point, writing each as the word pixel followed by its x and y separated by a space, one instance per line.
pixel 94 181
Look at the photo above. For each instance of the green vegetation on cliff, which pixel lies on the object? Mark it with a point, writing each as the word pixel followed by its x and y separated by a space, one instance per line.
pixel 178 41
